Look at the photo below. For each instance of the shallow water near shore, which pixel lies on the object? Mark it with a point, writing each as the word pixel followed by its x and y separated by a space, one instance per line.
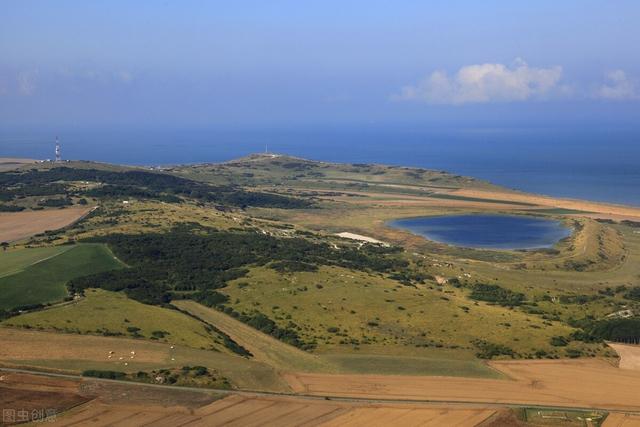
pixel 487 231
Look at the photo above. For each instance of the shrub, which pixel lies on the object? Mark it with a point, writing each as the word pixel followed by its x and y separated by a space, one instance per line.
pixel 487 350
pixel 199 371
pixel 159 334
pixel 633 293
pixel 559 341
pixel 496 294
pixel 573 353
pixel 57 202
pixel 10 208
pixel 292 266
pixel 112 375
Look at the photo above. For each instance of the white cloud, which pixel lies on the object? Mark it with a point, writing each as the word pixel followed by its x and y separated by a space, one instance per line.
pixel 617 87
pixel 27 82
pixel 483 83
pixel 124 76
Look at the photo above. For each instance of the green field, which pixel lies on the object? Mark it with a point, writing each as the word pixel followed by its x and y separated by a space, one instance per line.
pixel 44 282
pixel 477 199
pixel 14 261
pixel 560 211
pixel 113 314
pixel 442 363
pixel 554 417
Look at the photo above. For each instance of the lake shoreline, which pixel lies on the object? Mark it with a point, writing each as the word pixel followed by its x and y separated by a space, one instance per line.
pixel 487 231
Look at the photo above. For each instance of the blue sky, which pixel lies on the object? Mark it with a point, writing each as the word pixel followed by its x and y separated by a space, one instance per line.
pixel 296 63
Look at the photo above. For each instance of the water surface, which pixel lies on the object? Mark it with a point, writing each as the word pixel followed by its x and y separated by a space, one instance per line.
pixel 593 164
pixel 487 231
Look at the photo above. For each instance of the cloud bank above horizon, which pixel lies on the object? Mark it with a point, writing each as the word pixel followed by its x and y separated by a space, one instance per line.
pixel 499 83
pixel 618 87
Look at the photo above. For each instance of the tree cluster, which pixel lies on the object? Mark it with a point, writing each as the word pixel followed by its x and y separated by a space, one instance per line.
pixel 198 260
pixel 141 184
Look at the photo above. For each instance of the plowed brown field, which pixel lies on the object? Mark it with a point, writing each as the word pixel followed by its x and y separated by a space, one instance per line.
pixel 20 225
pixel 578 383
pixel 21 395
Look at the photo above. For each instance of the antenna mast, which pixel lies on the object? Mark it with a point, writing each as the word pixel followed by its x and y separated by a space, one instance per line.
pixel 58 153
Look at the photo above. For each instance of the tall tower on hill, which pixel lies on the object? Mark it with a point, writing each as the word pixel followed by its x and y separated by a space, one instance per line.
pixel 58 152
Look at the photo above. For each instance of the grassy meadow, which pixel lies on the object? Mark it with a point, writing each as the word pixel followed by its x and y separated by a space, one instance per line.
pixel 291 359
pixel 344 311
pixel 74 353
pixel 113 314
pixel 354 321
pixel 263 347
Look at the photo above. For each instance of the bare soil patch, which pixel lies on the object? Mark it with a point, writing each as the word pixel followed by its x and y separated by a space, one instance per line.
pixel 353 236
pixel 629 355
pixel 603 210
pixel 20 225
pixel 29 397
pixel 622 420
pixel 573 383
pixel 20 345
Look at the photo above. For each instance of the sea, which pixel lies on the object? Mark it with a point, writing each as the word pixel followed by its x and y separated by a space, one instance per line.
pixel 585 163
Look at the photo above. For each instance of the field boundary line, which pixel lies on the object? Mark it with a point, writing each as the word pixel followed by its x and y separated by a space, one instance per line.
pixel 11 273
pixel 346 399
